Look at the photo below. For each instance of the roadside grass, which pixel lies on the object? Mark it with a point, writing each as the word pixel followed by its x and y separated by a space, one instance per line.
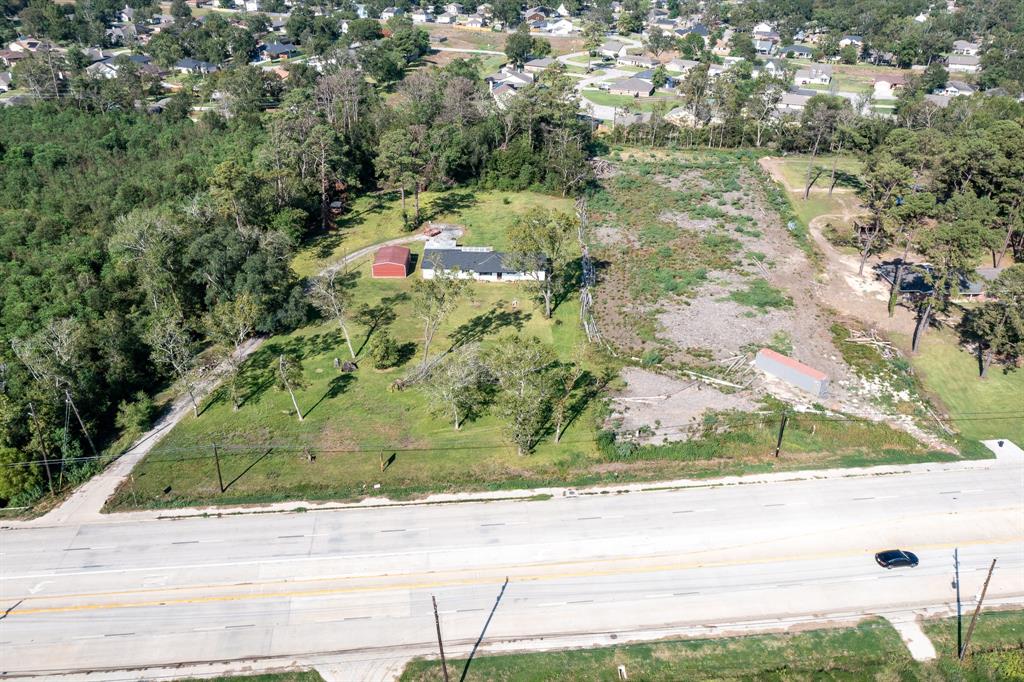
pixel 292 676
pixel 996 649
pixel 870 650
pixel 982 409
pixel 371 219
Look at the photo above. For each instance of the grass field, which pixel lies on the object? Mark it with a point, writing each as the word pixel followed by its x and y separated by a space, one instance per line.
pixel 869 651
pixel 376 218
pixel 981 409
pixel 794 169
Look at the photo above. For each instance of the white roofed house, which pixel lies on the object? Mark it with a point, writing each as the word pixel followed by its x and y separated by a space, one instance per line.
pixel 764 47
pixel 963 63
pixel 612 49
pixel 391 12
pixel 538 65
pixel 560 27
pixel 476 21
pixel 639 60
pixel 680 65
pixel 794 101
pixel 856 41
pixel 421 16
pixel 453 8
pixel 446 18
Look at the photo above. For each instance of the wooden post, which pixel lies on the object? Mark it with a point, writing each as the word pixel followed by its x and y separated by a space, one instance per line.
pixel 216 458
pixel 782 430
pixel 977 610
pixel 440 644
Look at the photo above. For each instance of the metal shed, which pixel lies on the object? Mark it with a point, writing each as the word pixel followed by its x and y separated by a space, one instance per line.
pixel 792 371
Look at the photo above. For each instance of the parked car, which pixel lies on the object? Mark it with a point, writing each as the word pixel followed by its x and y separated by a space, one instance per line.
pixel 895 558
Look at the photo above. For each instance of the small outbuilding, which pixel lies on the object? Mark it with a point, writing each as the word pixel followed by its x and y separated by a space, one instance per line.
pixel 392 262
pixel 792 372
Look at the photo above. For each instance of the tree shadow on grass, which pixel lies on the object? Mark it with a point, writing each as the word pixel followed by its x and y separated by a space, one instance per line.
pixel 450 202
pixel 258 373
pixel 491 322
pixel 335 387
pixel 378 316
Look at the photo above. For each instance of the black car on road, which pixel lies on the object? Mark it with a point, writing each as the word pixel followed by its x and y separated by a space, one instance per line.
pixel 895 558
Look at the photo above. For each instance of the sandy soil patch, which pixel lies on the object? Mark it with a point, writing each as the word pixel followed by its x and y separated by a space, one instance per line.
pixel 671 407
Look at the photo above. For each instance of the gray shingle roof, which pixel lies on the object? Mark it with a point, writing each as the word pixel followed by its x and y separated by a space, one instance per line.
pixel 469 261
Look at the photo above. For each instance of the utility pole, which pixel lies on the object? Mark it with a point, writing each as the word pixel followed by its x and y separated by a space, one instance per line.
pixel 42 444
pixel 216 458
pixel 440 644
pixel 782 430
pixel 977 610
pixel 67 396
pixel 959 611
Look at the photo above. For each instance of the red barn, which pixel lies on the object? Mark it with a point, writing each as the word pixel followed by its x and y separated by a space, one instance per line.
pixel 392 261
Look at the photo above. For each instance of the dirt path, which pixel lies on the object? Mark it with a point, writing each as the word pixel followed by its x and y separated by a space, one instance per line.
pixel 862 297
pixel 86 503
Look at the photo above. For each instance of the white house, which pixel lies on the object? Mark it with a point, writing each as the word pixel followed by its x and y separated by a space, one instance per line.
pixel 819 74
pixel 680 65
pixel 476 21
pixel 856 41
pixel 957 89
pixel 446 18
pixel 453 8
pixel 966 47
pixel 639 60
pixel 421 16
pixel 963 63
pixel 560 27
pixel 793 102
pixel 611 49
pixel 481 263
pixel 763 29
pixel 391 12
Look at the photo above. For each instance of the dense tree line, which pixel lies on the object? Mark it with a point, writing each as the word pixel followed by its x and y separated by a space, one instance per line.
pixel 132 242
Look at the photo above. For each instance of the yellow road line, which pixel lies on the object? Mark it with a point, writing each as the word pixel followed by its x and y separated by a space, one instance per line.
pixel 655 568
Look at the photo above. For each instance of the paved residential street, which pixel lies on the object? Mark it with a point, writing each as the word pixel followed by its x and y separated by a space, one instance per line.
pixel 352 587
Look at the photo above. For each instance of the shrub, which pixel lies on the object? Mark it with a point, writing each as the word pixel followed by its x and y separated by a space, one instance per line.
pixel 135 417
pixel 384 352
pixel 762 296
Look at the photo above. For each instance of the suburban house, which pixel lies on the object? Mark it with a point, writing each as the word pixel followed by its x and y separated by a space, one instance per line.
pixel 421 16
pixel 391 262
pixel 914 282
pixel 481 263
pixel 611 49
pixel 509 76
pixel 454 8
pixel 888 86
pixel 195 66
pixel 560 27
pixel 956 89
pixel 391 13
pixel 476 21
pixel 5 81
pixel 764 47
pixel 10 57
pixel 538 65
pixel 639 60
pixel 535 14
pixel 633 87
pixel 446 18
pixel 794 101
pixel 680 65
pixel 109 67
pixel 819 74
pixel 965 47
pixel 775 68
pixel 796 52
pixel 856 41
pixel 274 51
pixel 941 101
pixel 963 63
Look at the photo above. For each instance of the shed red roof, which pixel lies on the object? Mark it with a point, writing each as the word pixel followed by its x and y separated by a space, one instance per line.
pixel 398 255
pixel 793 364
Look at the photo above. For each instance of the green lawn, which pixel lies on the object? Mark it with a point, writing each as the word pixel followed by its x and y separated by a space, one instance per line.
pixel 634 103
pixel 981 409
pixel 794 168
pixel 865 652
pixel 996 649
pixel 376 218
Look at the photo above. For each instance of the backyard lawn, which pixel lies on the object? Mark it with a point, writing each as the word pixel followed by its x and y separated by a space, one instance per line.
pixel 634 103
pixel 981 409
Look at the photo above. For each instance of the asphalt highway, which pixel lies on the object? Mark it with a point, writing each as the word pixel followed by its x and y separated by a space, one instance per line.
pixel 156 592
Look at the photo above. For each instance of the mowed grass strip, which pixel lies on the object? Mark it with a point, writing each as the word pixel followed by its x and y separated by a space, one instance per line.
pixel 859 653
pixel 981 409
